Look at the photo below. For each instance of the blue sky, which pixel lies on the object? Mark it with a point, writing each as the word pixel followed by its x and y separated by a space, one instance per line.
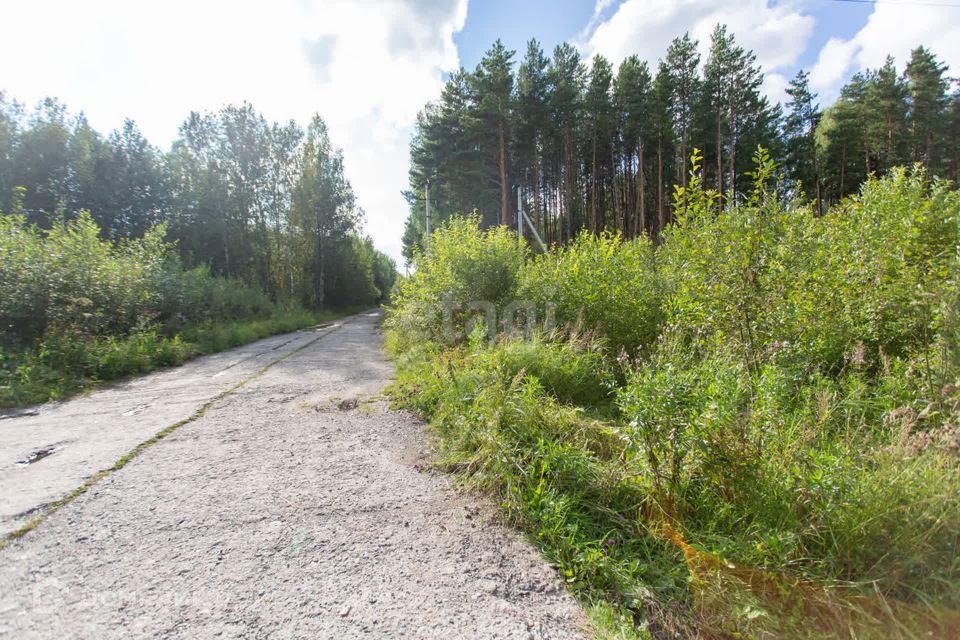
pixel 515 22
pixel 368 66
pixel 834 20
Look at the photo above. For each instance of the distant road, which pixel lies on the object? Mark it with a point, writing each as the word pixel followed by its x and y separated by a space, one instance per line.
pixel 290 502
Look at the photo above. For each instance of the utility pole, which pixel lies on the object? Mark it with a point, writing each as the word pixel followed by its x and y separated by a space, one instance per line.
pixel 533 230
pixel 427 241
pixel 519 215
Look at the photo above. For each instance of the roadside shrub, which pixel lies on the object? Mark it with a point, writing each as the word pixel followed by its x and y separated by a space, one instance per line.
pixel 64 363
pixel 782 454
pixel 76 309
pixel 771 278
pixel 573 369
pixel 195 296
pixel 23 279
pixel 465 273
pixel 557 471
pixel 610 285
pixel 68 280
pixel 71 280
pixel 684 418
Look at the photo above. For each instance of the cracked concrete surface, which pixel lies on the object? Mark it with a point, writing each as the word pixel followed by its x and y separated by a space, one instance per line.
pixel 292 508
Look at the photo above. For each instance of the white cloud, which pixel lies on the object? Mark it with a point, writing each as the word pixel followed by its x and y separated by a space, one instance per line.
pixel 600 9
pixel 777 34
pixel 366 66
pixel 833 64
pixel 775 86
pixel 891 29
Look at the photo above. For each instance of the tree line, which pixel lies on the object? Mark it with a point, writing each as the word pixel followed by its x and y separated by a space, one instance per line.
pixel 261 201
pixel 600 148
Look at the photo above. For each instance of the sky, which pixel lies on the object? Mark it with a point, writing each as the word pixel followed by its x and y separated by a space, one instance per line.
pixel 368 66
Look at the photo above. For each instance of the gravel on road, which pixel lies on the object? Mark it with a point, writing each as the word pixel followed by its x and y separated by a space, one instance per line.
pixel 298 505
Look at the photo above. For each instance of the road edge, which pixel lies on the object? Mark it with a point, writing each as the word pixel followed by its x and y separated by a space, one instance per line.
pixel 52 507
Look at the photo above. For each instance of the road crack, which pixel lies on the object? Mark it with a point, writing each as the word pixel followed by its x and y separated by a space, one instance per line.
pixel 50 508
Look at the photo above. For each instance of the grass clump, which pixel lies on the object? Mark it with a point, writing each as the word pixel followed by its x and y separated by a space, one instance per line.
pixel 771 449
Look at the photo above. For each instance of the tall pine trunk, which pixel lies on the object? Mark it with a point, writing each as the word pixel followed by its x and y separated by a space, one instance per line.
pixel 504 186
pixel 628 195
pixel 661 220
pixel 641 219
pixel 536 189
pixel 593 184
pixel 683 159
pixel 569 186
pixel 732 174
pixel 816 177
pixel 843 167
pixel 719 153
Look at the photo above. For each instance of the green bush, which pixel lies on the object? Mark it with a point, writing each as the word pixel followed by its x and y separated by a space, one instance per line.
pixel 64 363
pixel 195 296
pixel 572 370
pixel 465 272
pixel 859 283
pixel 783 451
pixel 69 279
pixel 609 285
pixel 76 309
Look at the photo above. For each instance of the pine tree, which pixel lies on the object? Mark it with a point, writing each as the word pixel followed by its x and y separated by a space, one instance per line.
pixel 733 117
pixel 928 99
pixel 532 120
pixel 841 140
pixel 590 150
pixel 464 181
pixel 42 164
pixel 599 120
pixel 492 83
pixel 800 127
pixel 721 74
pixel 885 115
pixel 952 134
pixel 664 135
pixel 633 100
pixel 566 74
pixel 684 83
pixel 444 152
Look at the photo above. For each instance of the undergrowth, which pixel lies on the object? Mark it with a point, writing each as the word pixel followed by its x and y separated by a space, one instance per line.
pixel 76 310
pixel 751 429
pixel 63 365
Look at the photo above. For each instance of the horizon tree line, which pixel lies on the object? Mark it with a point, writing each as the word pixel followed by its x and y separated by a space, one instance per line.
pixel 597 148
pixel 265 202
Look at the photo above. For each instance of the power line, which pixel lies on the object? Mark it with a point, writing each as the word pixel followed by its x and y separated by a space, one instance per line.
pixel 915 3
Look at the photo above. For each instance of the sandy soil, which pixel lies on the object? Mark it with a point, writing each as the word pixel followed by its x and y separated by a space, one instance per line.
pixel 297 506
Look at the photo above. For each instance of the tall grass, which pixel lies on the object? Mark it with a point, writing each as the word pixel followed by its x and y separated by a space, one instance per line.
pixel 751 429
